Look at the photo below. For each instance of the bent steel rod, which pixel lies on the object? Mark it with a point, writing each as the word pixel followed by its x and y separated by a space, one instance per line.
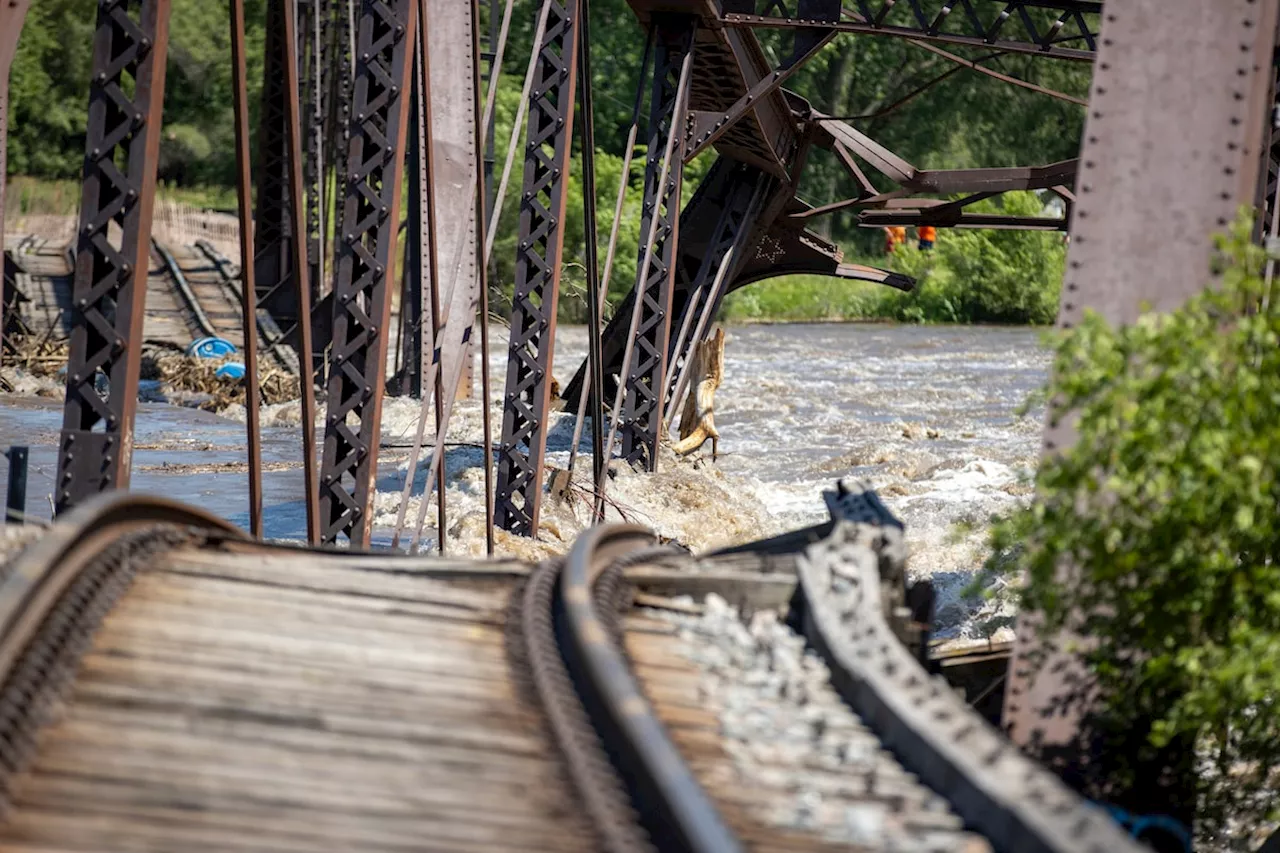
pixel 682 99
pixel 609 254
pixel 434 365
pixel 301 271
pixel 248 290
pixel 482 265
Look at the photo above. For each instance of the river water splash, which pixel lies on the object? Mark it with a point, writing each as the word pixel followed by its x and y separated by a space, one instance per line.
pixel 928 415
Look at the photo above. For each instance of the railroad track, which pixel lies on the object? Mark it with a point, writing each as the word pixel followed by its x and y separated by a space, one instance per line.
pixel 170 685
pixel 192 292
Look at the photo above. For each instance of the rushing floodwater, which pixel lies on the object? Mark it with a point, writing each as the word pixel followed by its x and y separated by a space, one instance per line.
pixel 928 415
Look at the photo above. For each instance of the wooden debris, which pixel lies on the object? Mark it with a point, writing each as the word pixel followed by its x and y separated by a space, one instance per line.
pixel 698 421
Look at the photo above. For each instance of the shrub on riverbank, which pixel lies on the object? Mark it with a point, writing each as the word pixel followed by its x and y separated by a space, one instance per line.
pixel 971 276
pixel 1166 509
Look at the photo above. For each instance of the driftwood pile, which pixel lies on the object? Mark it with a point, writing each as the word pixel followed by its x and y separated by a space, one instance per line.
pixel 182 377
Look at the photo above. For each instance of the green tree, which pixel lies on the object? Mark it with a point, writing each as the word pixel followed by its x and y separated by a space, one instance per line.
pixel 1165 510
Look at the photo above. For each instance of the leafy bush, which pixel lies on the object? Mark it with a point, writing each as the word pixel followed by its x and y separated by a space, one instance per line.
pixel 1166 510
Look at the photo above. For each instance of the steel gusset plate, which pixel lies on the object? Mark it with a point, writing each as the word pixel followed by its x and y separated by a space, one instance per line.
pixel 113 247
pixel 366 240
pixel 642 406
pixel 526 399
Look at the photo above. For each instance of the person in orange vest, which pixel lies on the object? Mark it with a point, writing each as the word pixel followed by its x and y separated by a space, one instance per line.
pixel 893 236
pixel 928 235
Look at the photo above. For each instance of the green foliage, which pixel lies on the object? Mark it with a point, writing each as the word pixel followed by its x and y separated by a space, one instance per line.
pixel 1165 510
pixel 49 86
pixel 807 297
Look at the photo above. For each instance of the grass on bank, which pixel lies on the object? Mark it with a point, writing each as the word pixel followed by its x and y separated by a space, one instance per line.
pixel 26 196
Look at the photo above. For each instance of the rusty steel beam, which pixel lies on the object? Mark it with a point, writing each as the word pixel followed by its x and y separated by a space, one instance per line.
pixel 298 263
pixel 936 216
pixel 273 231
pixel 642 407
pixel 367 239
pixel 12 14
pixel 1153 189
pixel 122 143
pixel 427 224
pixel 539 246
pixel 1006 25
pixel 248 294
pixel 310 41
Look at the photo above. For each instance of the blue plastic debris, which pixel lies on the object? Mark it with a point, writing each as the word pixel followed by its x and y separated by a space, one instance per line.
pixel 231 370
pixel 211 348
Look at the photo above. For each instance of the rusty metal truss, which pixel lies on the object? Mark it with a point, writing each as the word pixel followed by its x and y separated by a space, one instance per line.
pixel 366 239
pixel 273 231
pixel 723 252
pixel 526 399
pixel 1058 29
pixel 642 408
pixel 122 144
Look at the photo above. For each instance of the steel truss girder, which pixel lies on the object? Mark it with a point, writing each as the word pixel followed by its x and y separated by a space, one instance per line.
pixel 366 239
pixel 122 142
pixel 642 407
pixel 526 399
pixel 732 228
pixel 1057 29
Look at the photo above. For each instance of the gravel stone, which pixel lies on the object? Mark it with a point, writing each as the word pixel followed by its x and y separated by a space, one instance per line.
pixel 784 726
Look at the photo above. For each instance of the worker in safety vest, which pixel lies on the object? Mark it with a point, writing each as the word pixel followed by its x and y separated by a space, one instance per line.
pixel 894 235
pixel 927 234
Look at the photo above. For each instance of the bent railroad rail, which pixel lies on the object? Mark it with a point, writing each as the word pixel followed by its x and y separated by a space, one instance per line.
pixel 166 683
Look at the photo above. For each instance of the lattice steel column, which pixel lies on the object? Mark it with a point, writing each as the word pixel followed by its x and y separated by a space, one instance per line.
pixel 122 144
pixel 642 408
pixel 367 241
pixel 537 279
pixel 733 225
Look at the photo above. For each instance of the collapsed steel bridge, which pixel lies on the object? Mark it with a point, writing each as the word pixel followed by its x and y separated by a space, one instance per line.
pixel 359 93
